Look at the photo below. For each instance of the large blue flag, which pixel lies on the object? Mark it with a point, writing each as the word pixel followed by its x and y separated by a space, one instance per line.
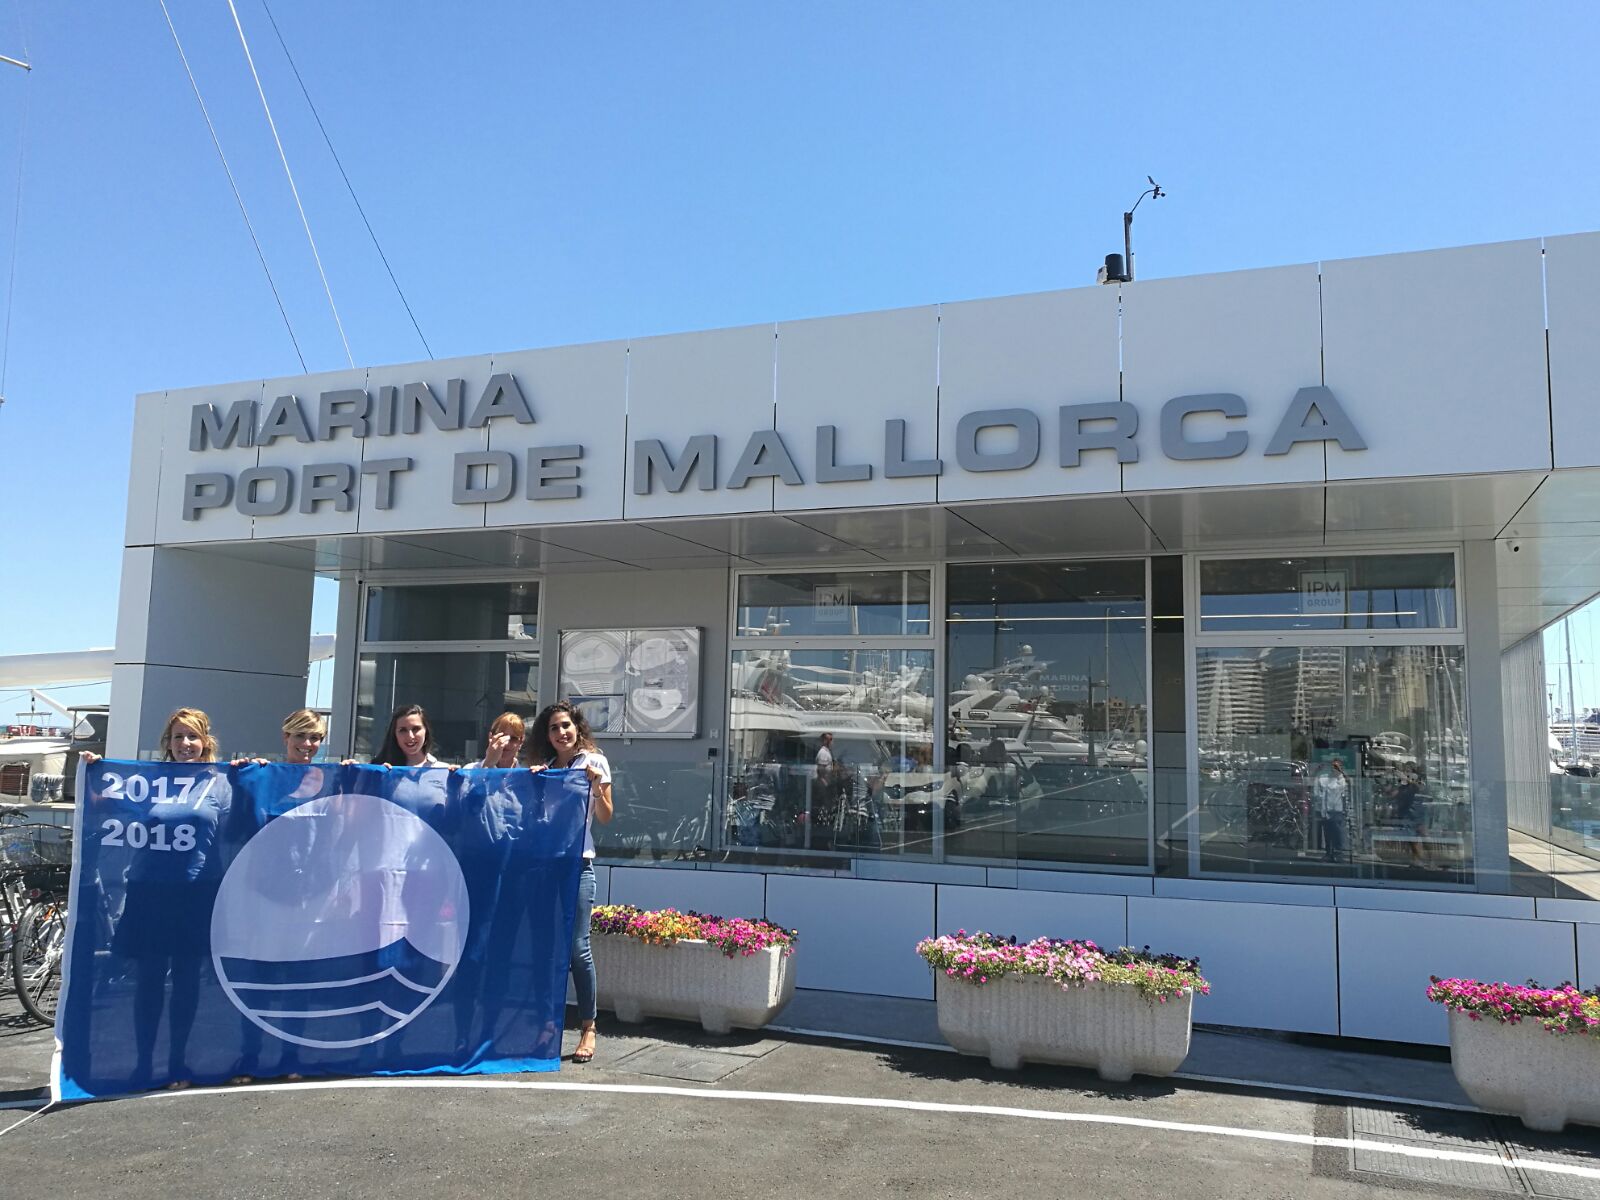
pixel 266 920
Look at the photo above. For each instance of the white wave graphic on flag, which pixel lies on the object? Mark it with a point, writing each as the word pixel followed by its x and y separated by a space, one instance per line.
pixel 340 922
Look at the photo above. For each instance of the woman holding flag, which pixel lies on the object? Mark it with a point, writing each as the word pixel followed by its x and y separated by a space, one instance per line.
pixel 560 738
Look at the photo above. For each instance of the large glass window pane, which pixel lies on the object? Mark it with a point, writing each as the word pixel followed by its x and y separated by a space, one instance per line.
pixel 461 612
pixel 1335 761
pixel 1048 712
pixel 461 692
pixel 832 750
pixel 834 604
pixel 1377 591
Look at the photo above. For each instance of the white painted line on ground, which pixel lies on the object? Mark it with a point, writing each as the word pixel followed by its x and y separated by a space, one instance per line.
pixel 927 1106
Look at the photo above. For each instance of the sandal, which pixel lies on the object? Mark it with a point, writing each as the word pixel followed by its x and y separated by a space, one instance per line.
pixel 581 1054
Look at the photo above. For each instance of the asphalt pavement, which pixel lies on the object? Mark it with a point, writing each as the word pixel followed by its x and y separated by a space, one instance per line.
pixel 667 1110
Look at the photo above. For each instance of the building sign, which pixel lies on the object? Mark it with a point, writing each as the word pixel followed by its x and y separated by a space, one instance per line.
pixel 831 604
pixel 1323 593
pixel 986 440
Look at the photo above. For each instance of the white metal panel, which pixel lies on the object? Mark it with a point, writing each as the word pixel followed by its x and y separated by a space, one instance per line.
pixel 144 469
pixel 921 872
pixel 579 396
pixel 1439 359
pixel 133 604
pixel 286 451
pixel 1572 298
pixel 178 461
pixel 127 694
pixel 906 532
pixel 1583 912
pixel 701 383
pixel 422 495
pixel 855 373
pixel 1465 508
pixel 602 884
pixel 1464 904
pixel 764 539
pixel 1232 520
pixel 230 615
pixel 1385 959
pixel 1271 966
pixel 1105 884
pixel 1255 334
pixel 1028 915
pixel 726 893
pixel 1086 525
pixel 1588 937
pixel 1038 353
pixel 1308 894
pixel 856 935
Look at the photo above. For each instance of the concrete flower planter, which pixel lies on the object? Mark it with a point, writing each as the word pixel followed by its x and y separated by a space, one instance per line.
pixel 1113 1028
pixel 1524 1071
pixel 693 981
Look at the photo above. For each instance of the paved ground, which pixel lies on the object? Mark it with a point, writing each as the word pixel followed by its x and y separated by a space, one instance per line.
pixel 665 1110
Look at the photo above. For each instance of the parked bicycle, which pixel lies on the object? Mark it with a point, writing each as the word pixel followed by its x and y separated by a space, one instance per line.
pixel 35 871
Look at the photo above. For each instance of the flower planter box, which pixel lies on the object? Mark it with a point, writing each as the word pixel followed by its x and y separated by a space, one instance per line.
pixel 1523 1070
pixel 1113 1028
pixel 692 980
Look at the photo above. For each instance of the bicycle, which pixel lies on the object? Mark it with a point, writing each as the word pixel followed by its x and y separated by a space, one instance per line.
pixel 35 872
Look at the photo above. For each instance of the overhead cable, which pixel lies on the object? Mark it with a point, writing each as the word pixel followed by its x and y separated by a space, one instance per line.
pixel 26 63
pixel 348 185
pixel 244 212
pixel 284 159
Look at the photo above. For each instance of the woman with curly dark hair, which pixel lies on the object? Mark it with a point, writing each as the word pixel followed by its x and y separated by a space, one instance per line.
pixel 559 737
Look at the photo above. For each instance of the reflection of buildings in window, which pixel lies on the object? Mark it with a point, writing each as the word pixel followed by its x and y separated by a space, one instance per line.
pixel 1232 695
pixel 1305 688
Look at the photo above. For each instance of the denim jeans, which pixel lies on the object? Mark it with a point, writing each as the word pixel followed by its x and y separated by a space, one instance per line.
pixel 583 980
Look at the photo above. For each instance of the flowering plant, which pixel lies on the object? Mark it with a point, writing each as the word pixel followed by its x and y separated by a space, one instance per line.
pixel 1561 1009
pixel 664 926
pixel 979 957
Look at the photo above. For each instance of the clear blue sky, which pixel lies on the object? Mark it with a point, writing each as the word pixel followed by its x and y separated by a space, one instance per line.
pixel 546 174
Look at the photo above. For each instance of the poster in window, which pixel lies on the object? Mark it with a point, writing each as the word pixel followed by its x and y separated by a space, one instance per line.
pixel 634 682
pixel 663 690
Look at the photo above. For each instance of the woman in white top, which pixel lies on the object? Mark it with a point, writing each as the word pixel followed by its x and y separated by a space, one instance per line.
pixel 560 737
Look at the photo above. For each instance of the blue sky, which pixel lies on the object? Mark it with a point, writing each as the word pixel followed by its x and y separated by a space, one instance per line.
pixel 547 174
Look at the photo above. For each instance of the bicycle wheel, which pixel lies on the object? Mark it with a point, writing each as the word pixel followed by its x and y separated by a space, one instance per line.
pixel 36 953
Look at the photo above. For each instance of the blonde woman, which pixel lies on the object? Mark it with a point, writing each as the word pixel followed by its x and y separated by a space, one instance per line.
pixel 165 927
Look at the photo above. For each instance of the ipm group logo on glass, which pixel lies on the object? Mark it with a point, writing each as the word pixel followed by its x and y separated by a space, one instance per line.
pixel 339 922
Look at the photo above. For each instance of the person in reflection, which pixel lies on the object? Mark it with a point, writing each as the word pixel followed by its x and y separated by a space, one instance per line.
pixel 560 738
pixel 1409 812
pixel 165 927
pixel 1330 795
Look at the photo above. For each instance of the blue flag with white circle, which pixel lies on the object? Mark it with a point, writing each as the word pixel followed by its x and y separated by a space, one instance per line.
pixel 266 920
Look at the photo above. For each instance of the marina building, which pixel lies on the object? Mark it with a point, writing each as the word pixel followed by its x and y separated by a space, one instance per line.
pixel 1086 591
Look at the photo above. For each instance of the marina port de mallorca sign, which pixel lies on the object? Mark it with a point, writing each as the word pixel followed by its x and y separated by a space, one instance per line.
pixel 403 419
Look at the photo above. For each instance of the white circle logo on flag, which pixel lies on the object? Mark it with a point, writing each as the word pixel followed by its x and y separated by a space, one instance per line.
pixel 339 922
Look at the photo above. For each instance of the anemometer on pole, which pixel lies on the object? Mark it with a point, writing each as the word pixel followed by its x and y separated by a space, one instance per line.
pixel 1119 267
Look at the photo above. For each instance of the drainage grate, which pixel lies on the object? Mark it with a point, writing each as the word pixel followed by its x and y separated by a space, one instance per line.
pixel 1502 1138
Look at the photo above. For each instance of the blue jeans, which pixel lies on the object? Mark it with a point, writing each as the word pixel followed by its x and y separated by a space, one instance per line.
pixel 583 979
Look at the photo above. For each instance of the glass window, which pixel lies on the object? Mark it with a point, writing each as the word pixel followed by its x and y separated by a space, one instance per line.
pixel 832 750
pixel 1048 713
pixel 834 604
pixel 1343 761
pixel 458 612
pixel 462 693
pixel 1379 591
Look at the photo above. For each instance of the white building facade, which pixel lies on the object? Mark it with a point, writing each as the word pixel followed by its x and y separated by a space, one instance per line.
pixel 1089 589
